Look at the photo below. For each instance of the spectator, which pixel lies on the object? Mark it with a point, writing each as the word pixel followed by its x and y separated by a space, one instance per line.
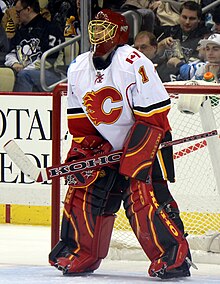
pixel 191 70
pixel 146 43
pixel 216 20
pixel 209 50
pixel 62 10
pixel 188 32
pixel 10 22
pixel 212 47
pixel 4 45
pixel 34 36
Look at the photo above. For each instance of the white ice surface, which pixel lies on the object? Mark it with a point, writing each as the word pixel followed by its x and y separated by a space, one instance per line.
pixel 24 254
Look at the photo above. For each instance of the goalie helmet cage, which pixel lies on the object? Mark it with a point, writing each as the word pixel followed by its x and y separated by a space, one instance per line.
pixel 197 187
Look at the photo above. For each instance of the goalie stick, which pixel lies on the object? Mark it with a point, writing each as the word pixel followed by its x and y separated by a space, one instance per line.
pixel 85 164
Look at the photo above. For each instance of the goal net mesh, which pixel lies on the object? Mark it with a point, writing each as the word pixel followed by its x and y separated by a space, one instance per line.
pixel 195 189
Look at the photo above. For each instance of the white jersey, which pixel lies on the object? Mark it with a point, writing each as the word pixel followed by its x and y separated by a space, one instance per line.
pixel 112 99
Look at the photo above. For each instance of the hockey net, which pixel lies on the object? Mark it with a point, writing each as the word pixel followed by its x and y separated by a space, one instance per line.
pixel 196 189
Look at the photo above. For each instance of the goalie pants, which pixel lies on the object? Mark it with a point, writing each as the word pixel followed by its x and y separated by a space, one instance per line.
pixel 89 215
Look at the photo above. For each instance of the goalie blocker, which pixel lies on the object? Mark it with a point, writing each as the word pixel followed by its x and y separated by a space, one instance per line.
pixel 152 212
pixel 140 150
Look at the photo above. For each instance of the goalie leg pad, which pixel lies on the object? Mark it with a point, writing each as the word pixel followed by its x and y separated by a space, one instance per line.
pixel 166 201
pixel 88 258
pixel 86 229
pixel 161 239
pixel 171 265
pixel 140 149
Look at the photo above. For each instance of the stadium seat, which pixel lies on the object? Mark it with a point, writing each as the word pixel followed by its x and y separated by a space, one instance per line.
pixel 7 79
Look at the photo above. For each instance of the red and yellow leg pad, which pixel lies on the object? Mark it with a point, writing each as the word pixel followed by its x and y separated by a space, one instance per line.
pixel 155 230
pixel 86 229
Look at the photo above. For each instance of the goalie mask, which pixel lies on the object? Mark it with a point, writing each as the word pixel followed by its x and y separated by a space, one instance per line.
pixel 108 30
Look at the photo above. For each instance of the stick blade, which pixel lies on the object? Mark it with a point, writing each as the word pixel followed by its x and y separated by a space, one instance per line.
pixel 22 161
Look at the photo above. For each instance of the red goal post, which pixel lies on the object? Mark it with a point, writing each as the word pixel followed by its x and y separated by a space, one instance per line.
pixel 174 90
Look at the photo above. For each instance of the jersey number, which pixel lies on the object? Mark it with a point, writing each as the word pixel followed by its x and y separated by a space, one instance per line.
pixel 143 74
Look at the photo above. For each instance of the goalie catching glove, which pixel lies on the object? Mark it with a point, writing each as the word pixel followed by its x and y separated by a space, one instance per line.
pixel 140 150
pixel 88 147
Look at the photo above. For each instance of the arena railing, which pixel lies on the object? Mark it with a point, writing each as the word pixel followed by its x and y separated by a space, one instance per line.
pixel 210 6
pixel 51 51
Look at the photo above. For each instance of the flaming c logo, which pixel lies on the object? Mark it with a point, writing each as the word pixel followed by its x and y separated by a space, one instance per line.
pixel 95 102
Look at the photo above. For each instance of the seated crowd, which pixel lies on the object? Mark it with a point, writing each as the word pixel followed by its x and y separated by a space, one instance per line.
pixel 171 34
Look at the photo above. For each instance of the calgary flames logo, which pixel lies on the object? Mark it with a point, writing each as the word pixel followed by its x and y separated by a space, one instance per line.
pixel 100 105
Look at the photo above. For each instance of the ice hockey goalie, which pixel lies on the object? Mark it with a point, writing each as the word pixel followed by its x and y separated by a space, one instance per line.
pixel 116 100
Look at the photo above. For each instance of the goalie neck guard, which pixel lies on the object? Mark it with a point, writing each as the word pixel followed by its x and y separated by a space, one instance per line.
pixel 108 30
